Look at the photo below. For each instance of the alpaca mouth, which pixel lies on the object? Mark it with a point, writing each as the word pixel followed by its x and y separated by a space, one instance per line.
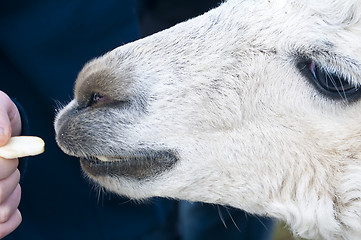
pixel 139 166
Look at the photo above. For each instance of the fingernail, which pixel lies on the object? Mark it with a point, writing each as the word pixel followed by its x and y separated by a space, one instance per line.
pixel 1 131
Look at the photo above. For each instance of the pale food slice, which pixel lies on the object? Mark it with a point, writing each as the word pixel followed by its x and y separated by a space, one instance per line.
pixel 22 146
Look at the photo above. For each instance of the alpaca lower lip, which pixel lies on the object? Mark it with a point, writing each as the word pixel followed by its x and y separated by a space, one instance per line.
pixel 140 165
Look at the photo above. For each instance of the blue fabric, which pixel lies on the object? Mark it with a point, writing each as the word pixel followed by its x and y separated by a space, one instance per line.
pixel 200 221
pixel 23 162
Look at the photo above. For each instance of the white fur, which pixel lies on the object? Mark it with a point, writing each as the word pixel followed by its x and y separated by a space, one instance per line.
pixel 251 132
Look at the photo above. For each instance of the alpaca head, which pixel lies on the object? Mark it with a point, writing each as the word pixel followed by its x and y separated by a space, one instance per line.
pixel 255 104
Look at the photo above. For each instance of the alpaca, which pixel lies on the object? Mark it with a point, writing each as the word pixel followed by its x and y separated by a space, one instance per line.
pixel 254 104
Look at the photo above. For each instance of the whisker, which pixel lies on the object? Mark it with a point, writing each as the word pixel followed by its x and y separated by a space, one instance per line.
pixel 234 222
pixel 221 216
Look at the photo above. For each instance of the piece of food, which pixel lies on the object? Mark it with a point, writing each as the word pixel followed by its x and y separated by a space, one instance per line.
pixel 22 146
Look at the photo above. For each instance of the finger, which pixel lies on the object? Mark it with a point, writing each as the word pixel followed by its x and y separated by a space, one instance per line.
pixel 9 207
pixel 9 226
pixel 8 185
pixel 7 167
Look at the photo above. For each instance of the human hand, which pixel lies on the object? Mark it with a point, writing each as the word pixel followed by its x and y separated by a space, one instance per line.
pixel 10 192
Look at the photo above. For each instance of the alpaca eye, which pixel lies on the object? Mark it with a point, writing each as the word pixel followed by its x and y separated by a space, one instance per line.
pixel 330 84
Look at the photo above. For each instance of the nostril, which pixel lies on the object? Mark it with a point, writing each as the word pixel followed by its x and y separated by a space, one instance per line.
pixel 96 98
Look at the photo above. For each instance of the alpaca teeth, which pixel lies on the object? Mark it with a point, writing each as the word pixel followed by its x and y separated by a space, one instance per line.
pixel 102 158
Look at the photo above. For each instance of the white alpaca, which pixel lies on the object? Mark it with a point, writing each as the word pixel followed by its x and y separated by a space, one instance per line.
pixel 255 105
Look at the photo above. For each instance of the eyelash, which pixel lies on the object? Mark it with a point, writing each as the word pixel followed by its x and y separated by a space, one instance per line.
pixel 329 84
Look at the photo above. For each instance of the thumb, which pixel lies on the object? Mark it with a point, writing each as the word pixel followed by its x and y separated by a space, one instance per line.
pixel 10 122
